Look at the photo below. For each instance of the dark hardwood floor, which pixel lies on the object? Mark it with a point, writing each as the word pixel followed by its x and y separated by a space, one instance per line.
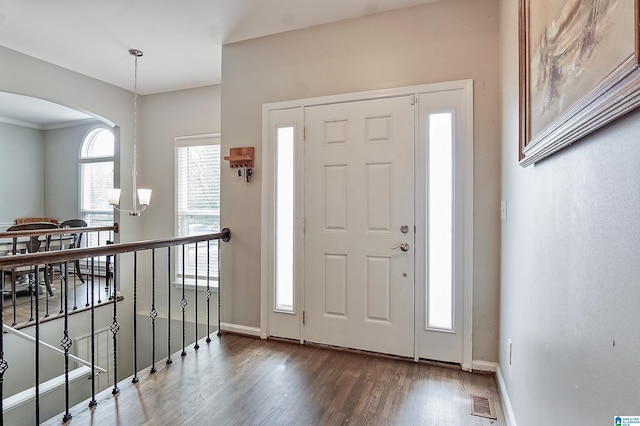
pixel 239 380
pixel 49 306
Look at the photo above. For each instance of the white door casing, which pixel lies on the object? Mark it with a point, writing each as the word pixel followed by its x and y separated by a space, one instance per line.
pixel 359 195
pixel 425 342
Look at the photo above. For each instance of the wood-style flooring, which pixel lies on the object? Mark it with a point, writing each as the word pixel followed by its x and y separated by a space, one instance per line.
pixel 239 380
pixel 22 314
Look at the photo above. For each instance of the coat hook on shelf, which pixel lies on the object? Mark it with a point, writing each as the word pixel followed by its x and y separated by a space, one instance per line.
pixel 240 157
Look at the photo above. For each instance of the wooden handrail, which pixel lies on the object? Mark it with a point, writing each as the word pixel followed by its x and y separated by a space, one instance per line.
pixel 59 231
pixel 59 256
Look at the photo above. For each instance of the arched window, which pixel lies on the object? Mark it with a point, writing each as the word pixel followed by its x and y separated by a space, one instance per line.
pixel 96 177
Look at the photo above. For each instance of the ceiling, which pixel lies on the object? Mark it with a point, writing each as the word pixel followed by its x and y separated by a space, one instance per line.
pixel 37 113
pixel 181 40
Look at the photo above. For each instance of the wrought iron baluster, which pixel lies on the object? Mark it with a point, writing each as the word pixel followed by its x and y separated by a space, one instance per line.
pixel 46 305
pixel 46 271
pixel 87 286
pixel 14 277
pixel 4 365
pixel 183 304
pixel 196 346
pixel 153 314
pixel 107 273
pixel 93 335
pixel 75 290
pixel 208 293
pixel 37 366
pixel 169 360
pixel 99 292
pixel 135 379
pixel 30 287
pixel 220 284
pixel 62 294
pixel 66 341
pixel 115 326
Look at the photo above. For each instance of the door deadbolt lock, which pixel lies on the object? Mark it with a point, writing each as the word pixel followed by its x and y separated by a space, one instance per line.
pixel 403 247
pixel 404 229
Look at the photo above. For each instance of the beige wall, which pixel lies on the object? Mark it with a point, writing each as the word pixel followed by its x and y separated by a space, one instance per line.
pixel 570 269
pixel 452 40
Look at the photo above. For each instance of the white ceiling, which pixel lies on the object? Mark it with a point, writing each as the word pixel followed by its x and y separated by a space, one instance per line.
pixel 37 113
pixel 181 40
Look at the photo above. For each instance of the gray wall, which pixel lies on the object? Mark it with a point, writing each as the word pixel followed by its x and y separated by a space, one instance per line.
pixel 42 171
pixel 62 172
pixel 26 75
pixel 162 117
pixel 22 181
pixel 570 268
pixel 165 116
pixel 444 41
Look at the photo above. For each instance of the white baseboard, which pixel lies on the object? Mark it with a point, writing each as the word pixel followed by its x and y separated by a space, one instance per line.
pixel 491 367
pixel 504 397
pixel 240 329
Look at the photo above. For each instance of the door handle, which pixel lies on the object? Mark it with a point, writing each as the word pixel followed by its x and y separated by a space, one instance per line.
pixel 402 246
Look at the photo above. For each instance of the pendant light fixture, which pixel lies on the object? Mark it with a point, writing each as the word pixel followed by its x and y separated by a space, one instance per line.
pixel 143 195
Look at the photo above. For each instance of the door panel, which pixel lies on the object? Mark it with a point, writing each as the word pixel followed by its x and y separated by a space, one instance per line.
pixel 441 241
pixel 359 192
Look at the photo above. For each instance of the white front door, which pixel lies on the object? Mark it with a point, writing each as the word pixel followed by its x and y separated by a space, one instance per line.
pixel 335 207
pixel 359 225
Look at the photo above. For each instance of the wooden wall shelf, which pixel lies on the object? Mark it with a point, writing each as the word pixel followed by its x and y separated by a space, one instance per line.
pixel 240 157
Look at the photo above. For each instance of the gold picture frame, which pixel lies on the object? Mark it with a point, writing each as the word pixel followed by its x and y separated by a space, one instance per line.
pixel 579 69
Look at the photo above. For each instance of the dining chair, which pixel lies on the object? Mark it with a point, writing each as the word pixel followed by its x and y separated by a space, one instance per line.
pixel 33 245
pixel 76 240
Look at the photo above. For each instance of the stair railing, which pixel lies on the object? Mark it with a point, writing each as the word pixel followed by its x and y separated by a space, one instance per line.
pixel 112 253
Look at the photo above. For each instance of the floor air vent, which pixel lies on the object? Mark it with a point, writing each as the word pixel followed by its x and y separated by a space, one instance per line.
pixel 481 406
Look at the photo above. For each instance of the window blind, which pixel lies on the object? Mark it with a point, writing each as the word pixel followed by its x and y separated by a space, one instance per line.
pixel 198 206
pixel 96 176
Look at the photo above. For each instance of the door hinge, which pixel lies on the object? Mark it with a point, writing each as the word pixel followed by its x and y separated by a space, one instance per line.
pixel 304 225
pixel 304 133
pixel 304 317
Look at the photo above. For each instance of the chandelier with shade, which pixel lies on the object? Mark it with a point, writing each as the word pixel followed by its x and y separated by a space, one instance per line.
pixel 140 197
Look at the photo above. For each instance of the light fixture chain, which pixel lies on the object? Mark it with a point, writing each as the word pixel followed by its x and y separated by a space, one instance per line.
pixel 143 194
pixel 135 111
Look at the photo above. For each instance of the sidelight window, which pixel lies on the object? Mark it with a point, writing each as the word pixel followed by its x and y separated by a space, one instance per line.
pixel 440 222
pixel 284 234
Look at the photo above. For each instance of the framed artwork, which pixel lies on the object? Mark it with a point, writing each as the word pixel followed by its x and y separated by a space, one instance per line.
pixel 579 70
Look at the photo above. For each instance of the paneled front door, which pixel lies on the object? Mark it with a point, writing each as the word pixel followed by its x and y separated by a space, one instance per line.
pixel 359 225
